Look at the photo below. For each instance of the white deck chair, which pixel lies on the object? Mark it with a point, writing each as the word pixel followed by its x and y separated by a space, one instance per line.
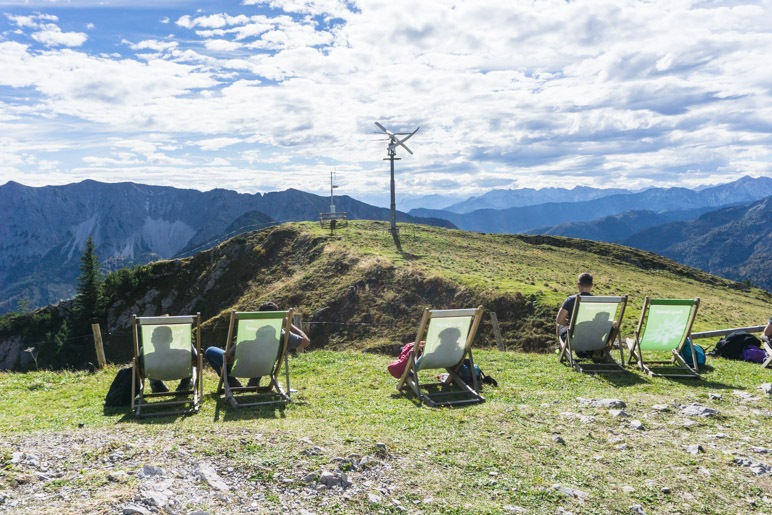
pixel 448 336
pixel 258 343
pixel 593 328
pixel 163 350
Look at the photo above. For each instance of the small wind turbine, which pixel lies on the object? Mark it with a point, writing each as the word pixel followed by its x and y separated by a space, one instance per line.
pixel 395 140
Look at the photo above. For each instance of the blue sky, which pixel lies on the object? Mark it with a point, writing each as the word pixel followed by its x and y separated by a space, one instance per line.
pixel 259 96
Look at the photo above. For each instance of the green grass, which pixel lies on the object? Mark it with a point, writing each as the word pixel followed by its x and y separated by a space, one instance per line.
pixel 478 459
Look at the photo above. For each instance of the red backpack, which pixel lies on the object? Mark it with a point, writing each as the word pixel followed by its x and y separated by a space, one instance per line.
pixel 397 367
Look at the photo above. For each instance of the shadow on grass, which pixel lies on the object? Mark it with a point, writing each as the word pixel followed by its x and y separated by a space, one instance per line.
pixel 225 412
pixel 624 379
pixel 147 419
pixel 433 390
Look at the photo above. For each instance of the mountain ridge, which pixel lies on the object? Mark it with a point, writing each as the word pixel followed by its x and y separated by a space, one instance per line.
pixel 45 228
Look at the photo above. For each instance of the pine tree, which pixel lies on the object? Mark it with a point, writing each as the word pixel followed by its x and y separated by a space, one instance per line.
pixel 89 300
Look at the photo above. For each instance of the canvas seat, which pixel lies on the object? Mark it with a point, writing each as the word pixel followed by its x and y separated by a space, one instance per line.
pixel 257 342
pixel 448 335
pixel 662 333
pixel 164 351
pixel 768 349
pixel 593 330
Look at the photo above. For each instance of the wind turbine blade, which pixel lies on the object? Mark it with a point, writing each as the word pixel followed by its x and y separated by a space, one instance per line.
pixel 410 135
pixel 405 147
pixel 383 128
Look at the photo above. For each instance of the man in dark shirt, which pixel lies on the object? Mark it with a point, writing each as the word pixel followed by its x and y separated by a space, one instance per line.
pixel 584 283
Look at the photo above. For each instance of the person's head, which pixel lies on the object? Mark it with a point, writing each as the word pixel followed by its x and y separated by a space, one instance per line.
pixel 268 306
pixel 584 282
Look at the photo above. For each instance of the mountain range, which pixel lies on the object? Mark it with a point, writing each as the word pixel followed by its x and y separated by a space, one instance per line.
pixel 527 218
pixel 734 242
pixel 44 229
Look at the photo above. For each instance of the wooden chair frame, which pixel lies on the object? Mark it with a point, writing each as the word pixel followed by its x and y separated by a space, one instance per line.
pixel 258 396
pixel 603 361
pixel 675 367
pixel 464 393
pixel 188 401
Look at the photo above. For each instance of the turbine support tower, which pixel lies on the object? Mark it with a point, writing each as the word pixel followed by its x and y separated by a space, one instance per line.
pixel 396 139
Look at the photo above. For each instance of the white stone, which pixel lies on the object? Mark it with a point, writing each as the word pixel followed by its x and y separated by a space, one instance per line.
pixel 207 473
pixel 698 410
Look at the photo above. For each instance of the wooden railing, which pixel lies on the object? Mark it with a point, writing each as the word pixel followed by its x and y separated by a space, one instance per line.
pixel 724 332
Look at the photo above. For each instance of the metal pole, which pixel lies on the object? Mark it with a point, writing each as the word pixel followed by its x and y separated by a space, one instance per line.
pixel 393 201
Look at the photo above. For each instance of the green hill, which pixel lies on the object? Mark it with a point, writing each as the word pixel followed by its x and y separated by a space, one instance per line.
pixel 355 290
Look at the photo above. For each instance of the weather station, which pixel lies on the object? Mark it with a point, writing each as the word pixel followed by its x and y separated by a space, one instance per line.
pixel 395 140
pixel 334 218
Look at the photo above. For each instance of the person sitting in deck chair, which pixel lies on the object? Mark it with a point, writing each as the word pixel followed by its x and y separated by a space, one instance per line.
pixel 584 282
pixel 215 355
pixel 766 335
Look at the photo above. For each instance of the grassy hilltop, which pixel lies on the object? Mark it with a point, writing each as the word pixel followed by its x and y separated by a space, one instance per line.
pixel 538 445
pixel 356 291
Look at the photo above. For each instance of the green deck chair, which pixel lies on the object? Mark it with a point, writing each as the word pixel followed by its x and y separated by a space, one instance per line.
pixel 166 345
pixel 257 341
pixel 448 336
pixel 594 328
pixel 663 330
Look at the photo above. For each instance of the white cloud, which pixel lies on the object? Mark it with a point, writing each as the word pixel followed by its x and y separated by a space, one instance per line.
pixel 221 45
pixel 53 36
pixel 217 143
pixel 154 44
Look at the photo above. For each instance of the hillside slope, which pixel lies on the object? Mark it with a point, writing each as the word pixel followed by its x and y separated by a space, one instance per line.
pixel 355 290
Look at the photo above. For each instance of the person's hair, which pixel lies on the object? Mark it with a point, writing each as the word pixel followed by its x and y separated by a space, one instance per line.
pixel 268 306
pixel 585 279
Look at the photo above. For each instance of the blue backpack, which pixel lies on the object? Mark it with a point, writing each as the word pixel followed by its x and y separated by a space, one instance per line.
pixel 686 354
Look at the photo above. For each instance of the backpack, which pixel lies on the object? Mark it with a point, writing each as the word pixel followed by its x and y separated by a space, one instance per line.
pixel 465 373
pixel 397 367
pixel 733 344
pixel 686 354
pixel 119 393
pixel 753 354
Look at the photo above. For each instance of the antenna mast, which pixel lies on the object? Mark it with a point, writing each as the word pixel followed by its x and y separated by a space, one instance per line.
pixel 332 187
pixel 391 149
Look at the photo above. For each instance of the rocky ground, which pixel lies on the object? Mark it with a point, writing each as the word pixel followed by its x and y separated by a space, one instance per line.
pixel 161 468
pixel 125 472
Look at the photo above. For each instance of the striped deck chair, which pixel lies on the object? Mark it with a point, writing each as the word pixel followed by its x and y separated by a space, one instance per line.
pixel 448 336
pixel 257 342
pixel 662 332
pixel 592 331
pixel 164 350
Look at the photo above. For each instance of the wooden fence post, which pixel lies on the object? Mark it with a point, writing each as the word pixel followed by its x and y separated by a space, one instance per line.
pixel 100 351
pixel 496 330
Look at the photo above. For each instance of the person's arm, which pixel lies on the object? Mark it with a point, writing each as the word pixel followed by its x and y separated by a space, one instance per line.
pixel 305 341
pixel 767 334
pixel 562 318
